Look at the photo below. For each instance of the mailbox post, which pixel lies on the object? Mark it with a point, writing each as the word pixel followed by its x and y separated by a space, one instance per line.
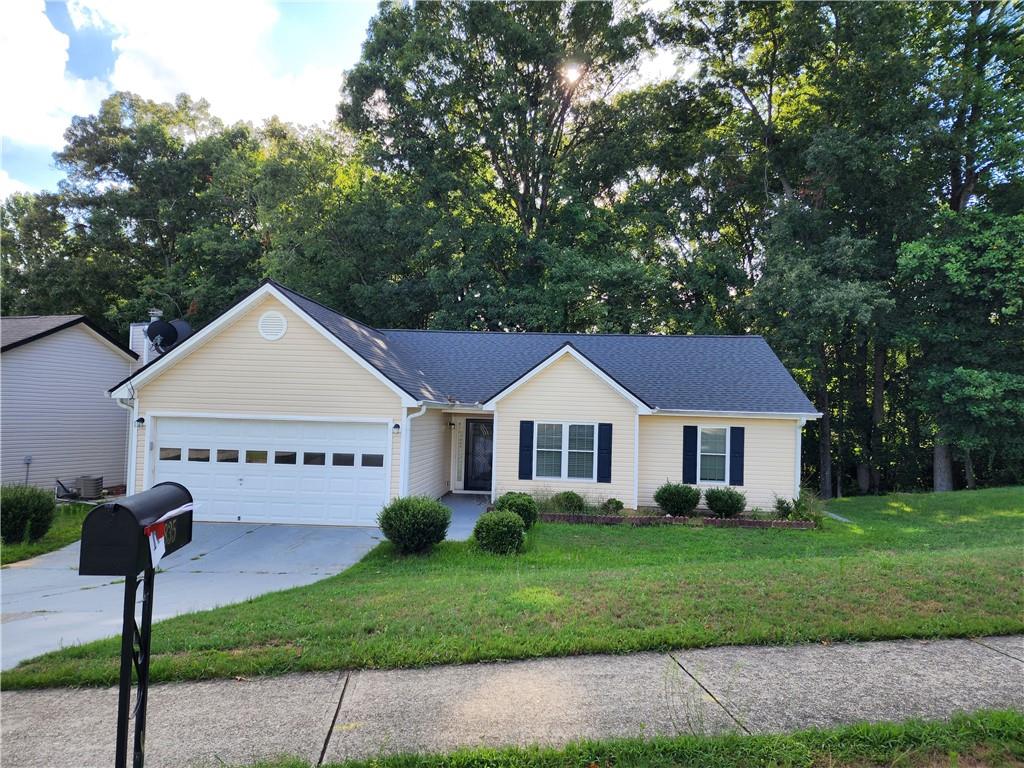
pixel 127 537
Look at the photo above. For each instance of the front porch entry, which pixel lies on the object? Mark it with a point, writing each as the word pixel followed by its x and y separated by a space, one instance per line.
pixel 472 453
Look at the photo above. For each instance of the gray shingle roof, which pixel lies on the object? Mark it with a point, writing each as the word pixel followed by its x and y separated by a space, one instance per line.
pixel 687 373
pixel 17 330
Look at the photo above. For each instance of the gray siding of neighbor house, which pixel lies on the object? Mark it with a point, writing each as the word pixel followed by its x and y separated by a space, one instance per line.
pixel 55 408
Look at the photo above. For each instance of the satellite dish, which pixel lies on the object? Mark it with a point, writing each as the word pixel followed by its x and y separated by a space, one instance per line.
pixel 183 328
pixel 162 334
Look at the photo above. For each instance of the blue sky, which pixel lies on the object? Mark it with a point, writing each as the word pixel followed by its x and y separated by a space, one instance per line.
pixel 249 58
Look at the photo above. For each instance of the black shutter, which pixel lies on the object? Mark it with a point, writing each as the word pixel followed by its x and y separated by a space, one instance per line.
pixel 690 455
pixel 525 450
pixel 736 456
pixel 604 453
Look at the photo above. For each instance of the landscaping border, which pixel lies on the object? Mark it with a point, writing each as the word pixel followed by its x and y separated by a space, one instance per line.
pixel 643 520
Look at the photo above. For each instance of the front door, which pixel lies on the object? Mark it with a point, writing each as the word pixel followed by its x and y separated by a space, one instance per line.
pixel 479 451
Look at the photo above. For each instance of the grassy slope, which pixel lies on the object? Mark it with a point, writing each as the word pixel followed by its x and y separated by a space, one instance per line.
pixel 994 739
pixel 67 527
pixel 908 566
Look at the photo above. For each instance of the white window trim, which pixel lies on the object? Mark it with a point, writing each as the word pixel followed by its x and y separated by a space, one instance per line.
pixel 728 439
pixel 565 452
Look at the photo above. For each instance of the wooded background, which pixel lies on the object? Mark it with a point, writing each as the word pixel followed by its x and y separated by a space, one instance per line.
pixel 845 178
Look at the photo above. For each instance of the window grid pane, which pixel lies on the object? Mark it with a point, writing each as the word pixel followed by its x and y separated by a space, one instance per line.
pixel 581 437
pixel 712 441
pixel 581 464
pixel 549 463
pixel 227 456
pixel 198 454
pixel 255 457
pixel 343 459
pixel 549 437
pixel 170 454
pixel 712 467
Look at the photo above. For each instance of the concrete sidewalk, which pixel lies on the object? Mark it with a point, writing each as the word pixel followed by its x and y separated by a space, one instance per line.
pixel 547 701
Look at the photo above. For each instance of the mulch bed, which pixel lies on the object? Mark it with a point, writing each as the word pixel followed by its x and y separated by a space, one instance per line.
pixel 641 520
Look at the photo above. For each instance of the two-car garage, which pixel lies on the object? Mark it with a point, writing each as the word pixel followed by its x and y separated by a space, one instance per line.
pixel 275 471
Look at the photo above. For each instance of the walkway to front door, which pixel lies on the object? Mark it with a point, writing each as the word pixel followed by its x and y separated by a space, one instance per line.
pixel 479 453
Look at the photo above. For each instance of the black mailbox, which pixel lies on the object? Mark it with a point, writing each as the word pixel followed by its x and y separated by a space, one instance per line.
pixel 114 538
pixel 125 538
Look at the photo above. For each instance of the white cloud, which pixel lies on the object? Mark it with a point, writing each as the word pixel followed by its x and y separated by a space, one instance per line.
pixel 8 185
pixel 220 51
pixel 40 96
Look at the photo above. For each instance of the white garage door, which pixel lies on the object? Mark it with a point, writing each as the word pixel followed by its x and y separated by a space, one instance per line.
pixel 276 471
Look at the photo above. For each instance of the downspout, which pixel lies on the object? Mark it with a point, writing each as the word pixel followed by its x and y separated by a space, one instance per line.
pixel 129 474
pixel 403 482
pixel 796 461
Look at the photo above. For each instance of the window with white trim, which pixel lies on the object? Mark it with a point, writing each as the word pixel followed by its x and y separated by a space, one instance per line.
pixel 564 451
pixel 713 456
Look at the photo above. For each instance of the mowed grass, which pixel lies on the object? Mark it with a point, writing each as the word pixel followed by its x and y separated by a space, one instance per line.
pixel 947 565
pixel 992 739
pixel 66 528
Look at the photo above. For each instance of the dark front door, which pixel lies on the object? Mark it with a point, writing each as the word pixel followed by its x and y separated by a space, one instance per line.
pixel 479 451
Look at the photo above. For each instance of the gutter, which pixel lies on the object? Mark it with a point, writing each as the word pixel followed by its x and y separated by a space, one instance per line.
pixel 737 414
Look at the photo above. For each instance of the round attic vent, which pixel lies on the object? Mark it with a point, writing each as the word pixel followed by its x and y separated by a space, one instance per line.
pixel 272 325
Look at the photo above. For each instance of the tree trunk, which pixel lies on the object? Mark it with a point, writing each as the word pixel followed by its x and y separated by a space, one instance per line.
pixel 942 465
pixel 863 478
pixel 877 416
pixel 824 444
pixel 969 471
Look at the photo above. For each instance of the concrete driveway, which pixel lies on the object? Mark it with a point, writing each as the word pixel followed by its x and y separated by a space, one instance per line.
pixel 46 605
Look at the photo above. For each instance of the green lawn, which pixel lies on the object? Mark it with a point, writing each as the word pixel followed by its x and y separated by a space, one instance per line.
pixel 908 566
pixel 992 739
pixel 67 527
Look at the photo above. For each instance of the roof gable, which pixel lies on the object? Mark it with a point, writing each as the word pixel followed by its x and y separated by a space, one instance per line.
pixel 19 330
pixel 567 350
pixel 126 388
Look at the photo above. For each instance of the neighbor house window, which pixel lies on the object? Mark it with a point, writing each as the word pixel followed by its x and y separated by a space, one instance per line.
pixel 565 451
pixel 713 459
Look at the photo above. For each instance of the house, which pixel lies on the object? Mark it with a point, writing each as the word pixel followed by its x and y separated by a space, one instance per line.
pixel 56 420
pixel 284 410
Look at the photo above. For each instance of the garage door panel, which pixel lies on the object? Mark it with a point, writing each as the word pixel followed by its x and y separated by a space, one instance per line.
pixel 249 485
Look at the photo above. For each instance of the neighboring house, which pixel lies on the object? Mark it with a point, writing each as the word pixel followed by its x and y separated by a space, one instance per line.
pixel 283 410
pixel 56 420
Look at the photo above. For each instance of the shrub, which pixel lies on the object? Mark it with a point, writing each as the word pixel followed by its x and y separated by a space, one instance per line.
pixel 783 508
pixel 808 507
pixel 25 510
pixel 677 499
pixel 612 507
pixel 725 502
pixel 523 504
pixel 414 523
pixel 500 531
pixel 569 502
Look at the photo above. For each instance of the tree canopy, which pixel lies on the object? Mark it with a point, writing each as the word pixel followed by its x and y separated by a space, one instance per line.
pixel 846 179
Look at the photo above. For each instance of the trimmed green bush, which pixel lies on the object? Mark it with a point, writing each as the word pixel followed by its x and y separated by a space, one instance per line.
pixel 725 502
pixel 500 531
pixel 523 504
pixel 414 524
pixel 677 499
pixel 612 507
pixel 569 502
pixel 25 510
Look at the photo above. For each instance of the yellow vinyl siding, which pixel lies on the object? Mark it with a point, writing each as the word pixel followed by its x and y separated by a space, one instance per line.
pixel 566 391
pixel 237 371
pixel 769 447
pixel 429 452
